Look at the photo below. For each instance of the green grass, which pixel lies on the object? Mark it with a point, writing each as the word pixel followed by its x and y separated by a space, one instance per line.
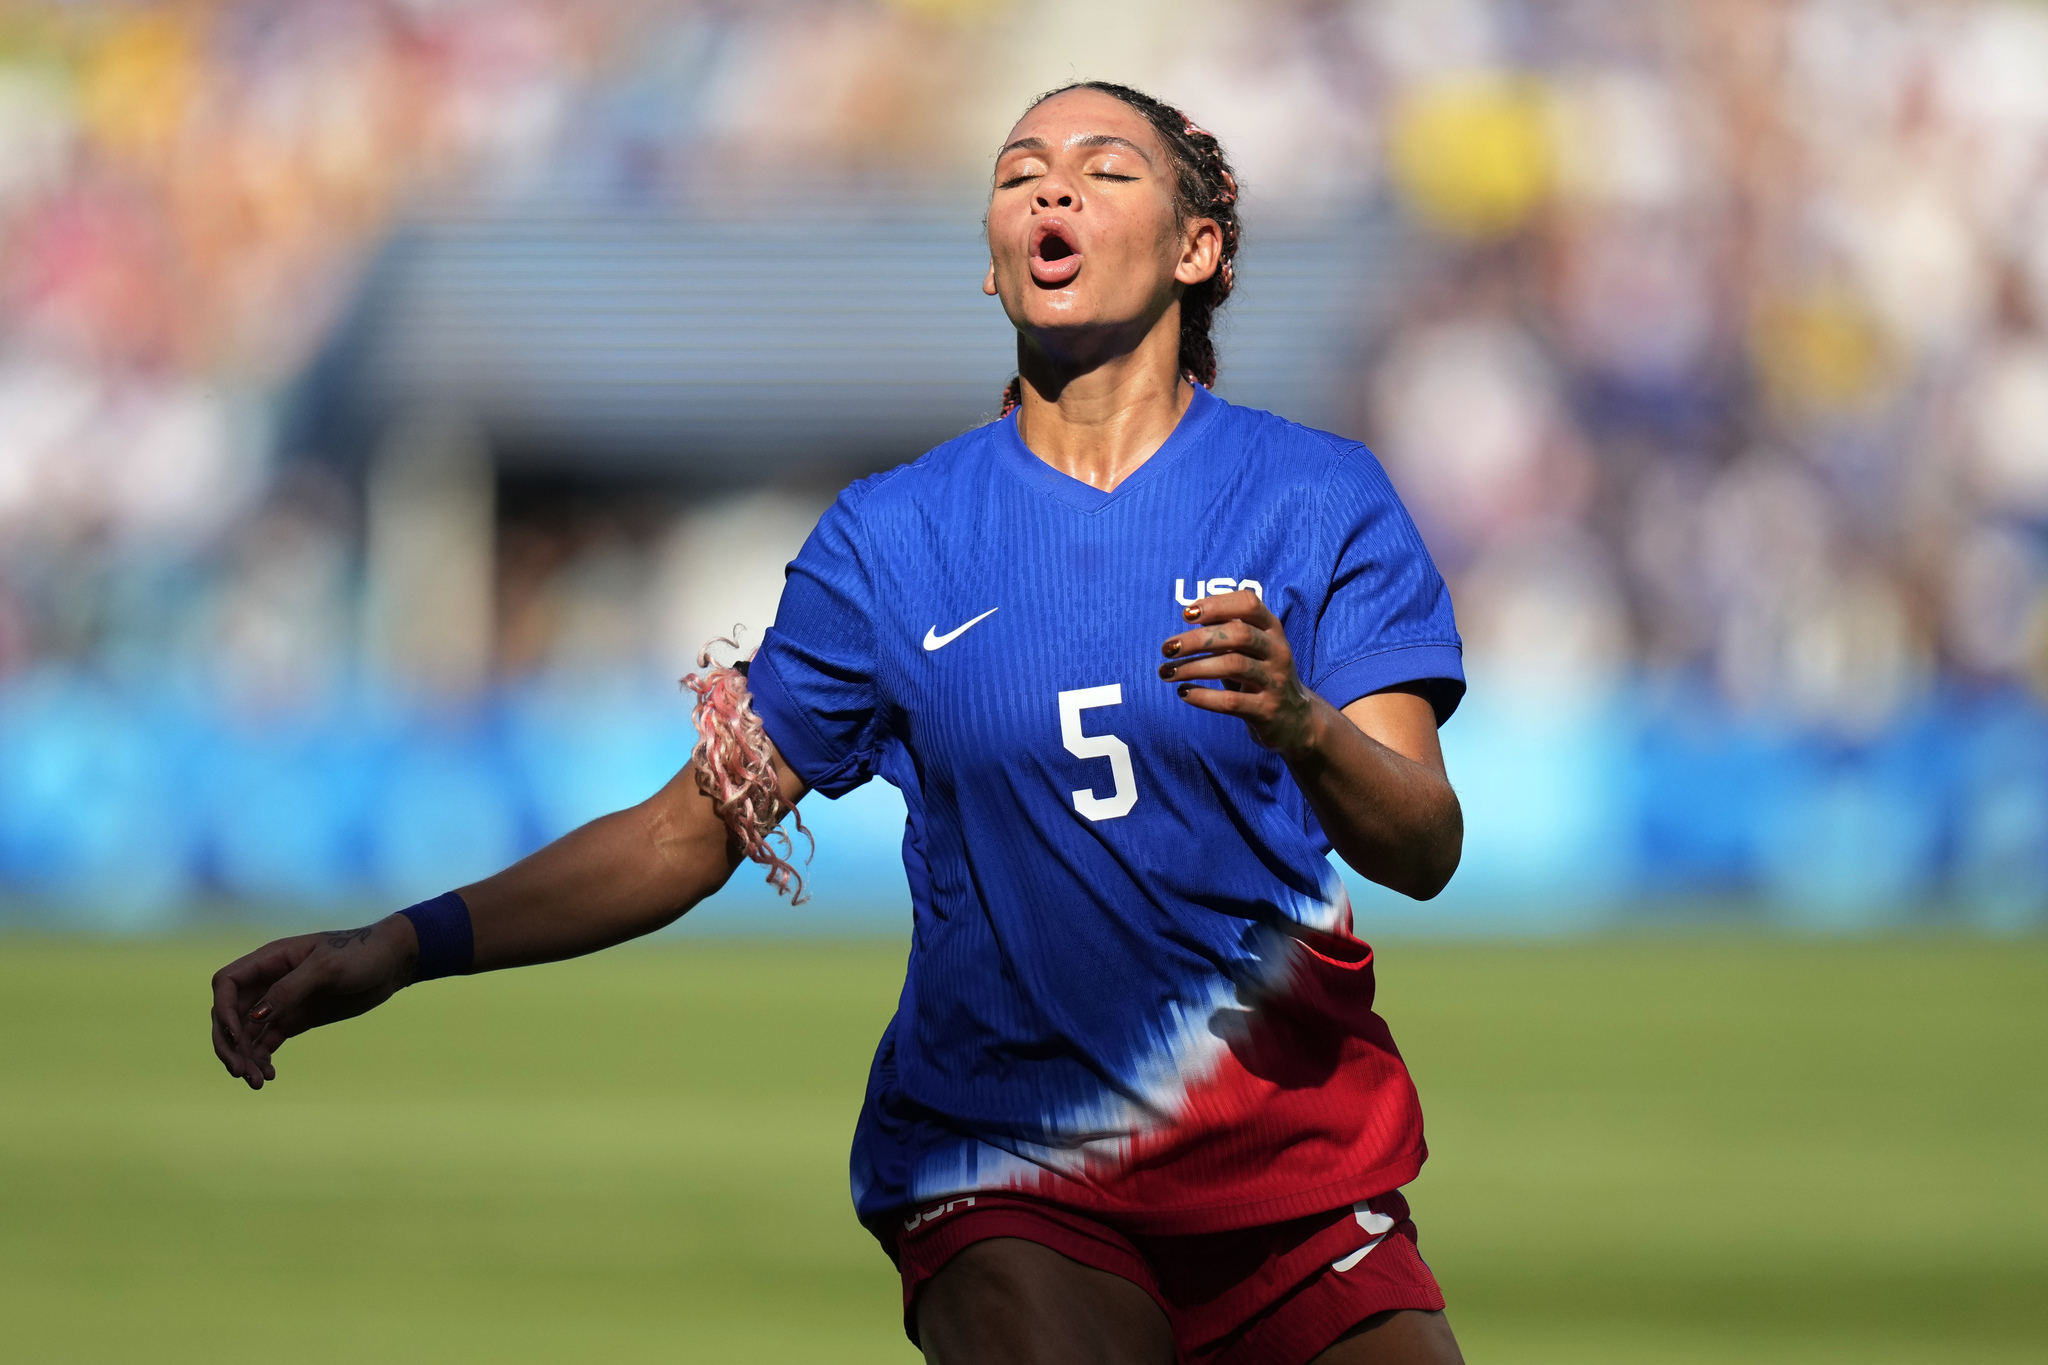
pixel 1645 1151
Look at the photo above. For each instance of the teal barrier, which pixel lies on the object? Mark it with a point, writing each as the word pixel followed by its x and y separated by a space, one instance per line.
pixel 122 808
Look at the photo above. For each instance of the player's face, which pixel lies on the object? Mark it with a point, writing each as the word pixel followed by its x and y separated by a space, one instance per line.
pixel 1081 233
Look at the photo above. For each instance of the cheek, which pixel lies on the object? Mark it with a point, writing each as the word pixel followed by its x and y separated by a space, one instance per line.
pixel 1133 239
pixel 1146 231
pixel 1147 252
pixel 1004 232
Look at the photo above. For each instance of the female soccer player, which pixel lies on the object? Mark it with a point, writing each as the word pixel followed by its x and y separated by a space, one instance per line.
pixel 1137 660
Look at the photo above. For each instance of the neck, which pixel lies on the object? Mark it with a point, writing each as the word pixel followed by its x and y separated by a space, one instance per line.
pixel 1099 420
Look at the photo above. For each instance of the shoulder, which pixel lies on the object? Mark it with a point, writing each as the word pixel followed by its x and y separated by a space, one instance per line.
pixel 1287 452
pixel 933 473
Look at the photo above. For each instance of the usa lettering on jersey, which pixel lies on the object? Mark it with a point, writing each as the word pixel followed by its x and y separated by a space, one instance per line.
pixel 1216 587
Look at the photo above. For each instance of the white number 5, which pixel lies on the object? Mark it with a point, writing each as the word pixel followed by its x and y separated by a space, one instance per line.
pixel 1124 793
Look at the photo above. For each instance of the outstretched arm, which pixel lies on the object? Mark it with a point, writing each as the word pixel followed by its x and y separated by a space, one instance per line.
pixel 616 878
pixel 1372 772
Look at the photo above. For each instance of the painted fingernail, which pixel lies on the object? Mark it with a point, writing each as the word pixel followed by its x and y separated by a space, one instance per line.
pixel 1166 670
pixel 1185 688
pixel 260 1013
pixel 1193 613
pixel 1171 649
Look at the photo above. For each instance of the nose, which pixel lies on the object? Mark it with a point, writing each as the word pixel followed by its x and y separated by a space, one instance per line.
pixel 1053 192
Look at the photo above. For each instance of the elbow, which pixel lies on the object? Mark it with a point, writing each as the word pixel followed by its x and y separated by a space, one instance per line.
pixel 1429 884
pixel 1422 876
pixel 1426 881
pixel 1417 852
pixel 691 858
pixel 1437 853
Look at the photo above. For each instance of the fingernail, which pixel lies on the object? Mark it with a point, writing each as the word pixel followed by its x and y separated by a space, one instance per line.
pixel 261 1012
pixel 1193 613
pixel 1166 670
pixel 1172 649
pixel 1185 688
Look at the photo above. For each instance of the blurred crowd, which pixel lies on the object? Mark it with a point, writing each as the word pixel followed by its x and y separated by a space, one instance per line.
pixel 1741 360
pixel 188 194
pixel 1717 364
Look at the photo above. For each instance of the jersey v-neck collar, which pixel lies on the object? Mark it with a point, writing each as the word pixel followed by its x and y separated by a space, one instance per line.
pixel 1085 497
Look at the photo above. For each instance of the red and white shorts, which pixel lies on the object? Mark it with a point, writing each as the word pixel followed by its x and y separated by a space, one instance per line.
pixel 1274 1295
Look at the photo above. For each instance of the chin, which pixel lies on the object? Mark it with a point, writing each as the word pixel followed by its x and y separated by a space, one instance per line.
pixel 1062 311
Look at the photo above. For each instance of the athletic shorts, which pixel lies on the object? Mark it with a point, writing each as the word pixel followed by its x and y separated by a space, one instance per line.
pixel 1274 1295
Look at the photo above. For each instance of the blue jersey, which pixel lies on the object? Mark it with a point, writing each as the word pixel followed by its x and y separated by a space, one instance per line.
pixel 1132 984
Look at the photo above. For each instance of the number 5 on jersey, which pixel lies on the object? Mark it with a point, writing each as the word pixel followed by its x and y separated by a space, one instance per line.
pixel 1124 789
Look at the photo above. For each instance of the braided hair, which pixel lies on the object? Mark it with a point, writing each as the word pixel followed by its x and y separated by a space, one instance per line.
pixel 1203 188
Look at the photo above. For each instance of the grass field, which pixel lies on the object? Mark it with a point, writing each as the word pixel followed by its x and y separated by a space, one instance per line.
pixel 1669 1150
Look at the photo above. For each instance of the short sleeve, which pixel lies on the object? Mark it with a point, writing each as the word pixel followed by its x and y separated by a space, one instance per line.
pixel 1386 619
pixel 813 679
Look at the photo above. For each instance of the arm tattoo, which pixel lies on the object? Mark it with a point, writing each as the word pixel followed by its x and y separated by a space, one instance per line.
pixel 342 938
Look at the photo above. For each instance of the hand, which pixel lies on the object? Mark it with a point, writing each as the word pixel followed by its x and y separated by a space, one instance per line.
pixel 299 983
pixel 1240 643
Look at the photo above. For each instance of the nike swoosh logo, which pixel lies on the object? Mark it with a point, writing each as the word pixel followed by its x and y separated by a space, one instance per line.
pixel 934 640
pixel 1345 1263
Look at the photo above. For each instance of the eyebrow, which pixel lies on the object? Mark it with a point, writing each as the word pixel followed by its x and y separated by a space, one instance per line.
pixel 1037 144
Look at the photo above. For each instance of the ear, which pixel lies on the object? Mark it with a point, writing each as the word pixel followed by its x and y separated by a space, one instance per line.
pixel 988 281
pixel 1201 252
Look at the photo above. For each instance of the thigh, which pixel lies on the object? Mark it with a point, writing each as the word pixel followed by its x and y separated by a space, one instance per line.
pixel 1006 1301
pixel 1405 1336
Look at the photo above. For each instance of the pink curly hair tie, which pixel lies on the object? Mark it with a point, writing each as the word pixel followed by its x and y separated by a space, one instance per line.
pixel 734 768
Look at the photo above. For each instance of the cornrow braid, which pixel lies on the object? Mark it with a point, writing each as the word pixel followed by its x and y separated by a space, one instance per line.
pixel 1204 187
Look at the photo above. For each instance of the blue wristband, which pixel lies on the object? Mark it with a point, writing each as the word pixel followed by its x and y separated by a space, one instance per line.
pixel 447 945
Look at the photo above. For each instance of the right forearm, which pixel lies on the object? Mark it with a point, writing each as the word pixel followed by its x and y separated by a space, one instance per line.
pixel 616 878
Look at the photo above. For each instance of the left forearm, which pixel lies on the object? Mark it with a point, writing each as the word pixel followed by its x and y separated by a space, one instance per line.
pixel 1394 820
pixel 1373 772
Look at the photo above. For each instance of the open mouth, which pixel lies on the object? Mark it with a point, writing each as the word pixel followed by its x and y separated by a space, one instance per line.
pixel 1055 259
